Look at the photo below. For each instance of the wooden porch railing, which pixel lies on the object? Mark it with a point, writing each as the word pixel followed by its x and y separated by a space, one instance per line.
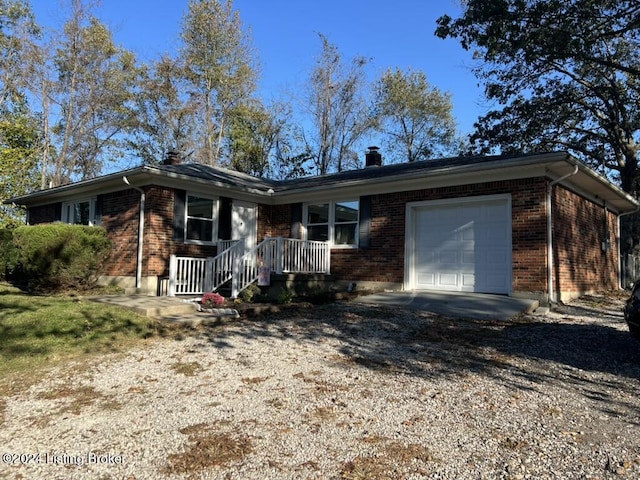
pixel 189 276
pixel 194 276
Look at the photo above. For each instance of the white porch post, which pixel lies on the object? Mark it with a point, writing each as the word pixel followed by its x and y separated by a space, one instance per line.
pixel 235 274
pixel 208 274
pixel 279 254
pixel 268 258
pixel 173 273
pixel 327 256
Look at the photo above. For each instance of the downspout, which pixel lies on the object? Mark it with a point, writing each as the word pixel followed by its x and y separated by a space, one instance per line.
pixel 140 234
pixel 551 294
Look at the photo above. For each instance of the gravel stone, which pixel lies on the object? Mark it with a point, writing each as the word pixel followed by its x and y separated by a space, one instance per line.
pixel 345 391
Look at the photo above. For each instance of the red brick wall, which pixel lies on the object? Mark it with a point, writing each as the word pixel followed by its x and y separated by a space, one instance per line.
pixel 383 260
pixel 120 219
pixel 159 244
pixel 274 221
pixel 529 235
pixel 579 228
pixel 385 257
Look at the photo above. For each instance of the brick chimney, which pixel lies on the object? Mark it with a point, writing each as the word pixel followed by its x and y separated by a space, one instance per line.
pixel 172 158
pixel 373 158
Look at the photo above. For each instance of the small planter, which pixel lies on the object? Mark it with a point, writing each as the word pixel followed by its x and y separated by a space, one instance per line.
pixel 219 312
pixel 213 304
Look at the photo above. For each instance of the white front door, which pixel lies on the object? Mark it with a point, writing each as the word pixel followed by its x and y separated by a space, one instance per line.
pixel 244 222
pixel 462 245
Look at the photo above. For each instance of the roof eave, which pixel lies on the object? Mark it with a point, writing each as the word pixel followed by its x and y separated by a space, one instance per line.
pixel 553 165
pixel 138 176
pixel 434 178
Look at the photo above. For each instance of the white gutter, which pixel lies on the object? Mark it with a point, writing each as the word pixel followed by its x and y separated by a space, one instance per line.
pixel 550 232
pixel 140 233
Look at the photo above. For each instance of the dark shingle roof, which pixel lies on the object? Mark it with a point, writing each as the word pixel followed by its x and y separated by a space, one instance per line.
pixel 231 177
pixel 396 176
pixel 216 174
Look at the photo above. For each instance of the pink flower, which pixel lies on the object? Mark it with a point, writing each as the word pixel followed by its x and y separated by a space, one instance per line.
pixel 211 299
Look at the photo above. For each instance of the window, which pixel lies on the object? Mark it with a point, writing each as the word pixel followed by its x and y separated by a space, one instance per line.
pixel 345 223
pixel 80 212
pixel 200 224
pixel 336 222
pixel 318 222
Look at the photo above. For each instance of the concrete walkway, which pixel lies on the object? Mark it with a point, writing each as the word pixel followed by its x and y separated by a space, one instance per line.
pixel 462 305
pixel 148 306
pixel 454 304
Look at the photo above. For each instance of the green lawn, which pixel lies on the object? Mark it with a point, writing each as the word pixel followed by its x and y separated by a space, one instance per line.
pixel 37 331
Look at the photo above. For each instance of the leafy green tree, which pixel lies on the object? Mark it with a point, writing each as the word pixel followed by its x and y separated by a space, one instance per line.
pixel 415 118
pixel 18 160
pixel 252 136
pixel 337 104
pixel 563 75
pixel 17 30
pixel 261 141
pixel 219 69
pixel 93 92
pixel 165 116
pixel 18 125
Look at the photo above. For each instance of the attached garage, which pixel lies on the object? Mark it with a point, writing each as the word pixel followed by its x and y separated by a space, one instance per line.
pixel 461 245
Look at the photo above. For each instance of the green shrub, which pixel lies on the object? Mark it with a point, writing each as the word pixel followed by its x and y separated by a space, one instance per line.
pixel 7 253
pixel 285 296
pixel 250 293
pixel 59 257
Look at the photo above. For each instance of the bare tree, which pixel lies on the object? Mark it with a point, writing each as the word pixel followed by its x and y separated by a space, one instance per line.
pixel 165 114
pixel 93 92
pixel 219 68
pixel 338 108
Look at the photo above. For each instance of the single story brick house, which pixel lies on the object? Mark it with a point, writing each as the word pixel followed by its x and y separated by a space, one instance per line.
pixel 543 226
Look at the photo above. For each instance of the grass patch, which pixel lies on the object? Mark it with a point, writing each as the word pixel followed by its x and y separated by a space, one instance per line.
pixel 43 330
pixel 254 380
pixel 208 448
pixel 394 460
pixel 188 369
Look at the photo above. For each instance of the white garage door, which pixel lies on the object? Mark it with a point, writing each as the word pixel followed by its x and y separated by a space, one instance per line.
pixel 463 247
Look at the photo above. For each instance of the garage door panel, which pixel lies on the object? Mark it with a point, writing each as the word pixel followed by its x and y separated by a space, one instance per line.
pixel 447 258
pixel 447 279
pixel 468 233
pixel 496 257
pixel 427 279
pixel 468 258
pixel 493 232
pixel 463 247
pixel 468 280
pixel 494 282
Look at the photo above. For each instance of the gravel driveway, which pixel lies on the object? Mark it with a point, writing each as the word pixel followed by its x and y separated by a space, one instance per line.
pixel 345 391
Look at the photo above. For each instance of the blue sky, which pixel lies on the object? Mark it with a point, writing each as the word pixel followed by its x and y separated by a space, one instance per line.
pixel 397 33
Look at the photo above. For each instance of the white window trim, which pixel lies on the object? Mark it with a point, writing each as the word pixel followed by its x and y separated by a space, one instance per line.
pixel 214 219
pixel 93 221
pixel 331 222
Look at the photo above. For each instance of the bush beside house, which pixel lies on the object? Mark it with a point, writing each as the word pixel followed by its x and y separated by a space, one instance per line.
pixel 7 253
pixel 56 256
